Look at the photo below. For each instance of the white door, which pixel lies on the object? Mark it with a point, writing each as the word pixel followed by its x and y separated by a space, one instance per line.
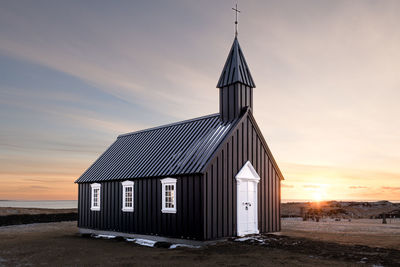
pixel 247 194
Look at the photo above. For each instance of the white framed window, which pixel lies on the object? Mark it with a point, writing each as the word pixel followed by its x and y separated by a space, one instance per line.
pixel 95 196
pixel 168 195
pixel 127 196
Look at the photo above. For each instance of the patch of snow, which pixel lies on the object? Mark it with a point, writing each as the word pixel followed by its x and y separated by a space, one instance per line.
pixel 145 242
pixel 251 238
pixel 142 242
pixel 182 245
pixel 105 236
pixel 151 243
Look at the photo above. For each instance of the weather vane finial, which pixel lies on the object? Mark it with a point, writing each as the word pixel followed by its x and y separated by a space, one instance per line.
pixel 236 21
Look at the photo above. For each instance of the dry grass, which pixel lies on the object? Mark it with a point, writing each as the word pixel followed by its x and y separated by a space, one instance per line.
pixel 32 211
pixel 369 232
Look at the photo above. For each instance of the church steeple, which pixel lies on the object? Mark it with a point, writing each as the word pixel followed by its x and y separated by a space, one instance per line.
pixel 235 84
pixel 235 69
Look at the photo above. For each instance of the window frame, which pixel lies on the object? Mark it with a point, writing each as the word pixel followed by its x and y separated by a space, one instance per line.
pixel 164 183
pixel 94 187
pixel 125 185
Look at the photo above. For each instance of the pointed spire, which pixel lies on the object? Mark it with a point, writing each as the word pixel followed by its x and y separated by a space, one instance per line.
pixel 235 69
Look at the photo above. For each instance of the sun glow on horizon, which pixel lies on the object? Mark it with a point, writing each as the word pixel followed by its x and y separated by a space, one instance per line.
pixel 317 196
pixel 317 192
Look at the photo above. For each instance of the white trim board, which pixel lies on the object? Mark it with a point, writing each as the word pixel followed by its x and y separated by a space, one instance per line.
pixel 165 182
pixel 126 184
pixel 93 187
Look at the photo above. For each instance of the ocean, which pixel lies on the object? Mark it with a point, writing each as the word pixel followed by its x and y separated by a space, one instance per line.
pixel 44 204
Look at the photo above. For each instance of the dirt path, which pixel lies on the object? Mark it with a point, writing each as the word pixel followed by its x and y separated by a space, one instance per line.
pixel 57 244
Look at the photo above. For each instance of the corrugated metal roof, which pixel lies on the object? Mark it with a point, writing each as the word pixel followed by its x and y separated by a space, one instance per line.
pixel 173 149
pixel 235 69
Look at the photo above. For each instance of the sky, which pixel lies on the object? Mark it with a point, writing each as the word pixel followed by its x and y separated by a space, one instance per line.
pixel 76 74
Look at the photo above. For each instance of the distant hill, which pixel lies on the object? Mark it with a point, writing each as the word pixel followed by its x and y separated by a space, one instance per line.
pixel 341 209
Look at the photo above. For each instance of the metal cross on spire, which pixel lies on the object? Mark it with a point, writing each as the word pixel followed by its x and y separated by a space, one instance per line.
pixel 236 21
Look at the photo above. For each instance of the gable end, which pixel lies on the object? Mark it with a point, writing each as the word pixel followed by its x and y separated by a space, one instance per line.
pixel 247 115
pixel 265 145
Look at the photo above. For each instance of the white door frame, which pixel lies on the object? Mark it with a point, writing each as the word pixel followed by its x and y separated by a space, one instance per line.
pixel 247 174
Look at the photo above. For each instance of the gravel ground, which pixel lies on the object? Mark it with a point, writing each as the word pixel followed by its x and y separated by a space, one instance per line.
pixel 58 244
pixel 327 250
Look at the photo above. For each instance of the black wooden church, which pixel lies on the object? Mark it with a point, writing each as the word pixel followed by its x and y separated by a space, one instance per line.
pixel 201 179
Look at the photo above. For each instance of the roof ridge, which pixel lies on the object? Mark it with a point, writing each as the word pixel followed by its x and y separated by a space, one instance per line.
pixel 168 125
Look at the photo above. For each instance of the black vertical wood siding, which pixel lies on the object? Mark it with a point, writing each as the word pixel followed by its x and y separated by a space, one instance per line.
pixel 220 197
pixel 147 217
pixel 233 99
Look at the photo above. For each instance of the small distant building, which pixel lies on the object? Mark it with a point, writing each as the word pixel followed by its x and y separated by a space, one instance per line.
pixel 201 179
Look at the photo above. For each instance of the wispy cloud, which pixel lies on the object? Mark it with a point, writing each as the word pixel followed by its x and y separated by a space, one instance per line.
pixel 39 187
pixel 393 188
pixel 357 187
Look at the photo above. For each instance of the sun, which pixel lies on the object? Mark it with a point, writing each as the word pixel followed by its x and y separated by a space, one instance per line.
pixel 318 193
pixel 317 196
